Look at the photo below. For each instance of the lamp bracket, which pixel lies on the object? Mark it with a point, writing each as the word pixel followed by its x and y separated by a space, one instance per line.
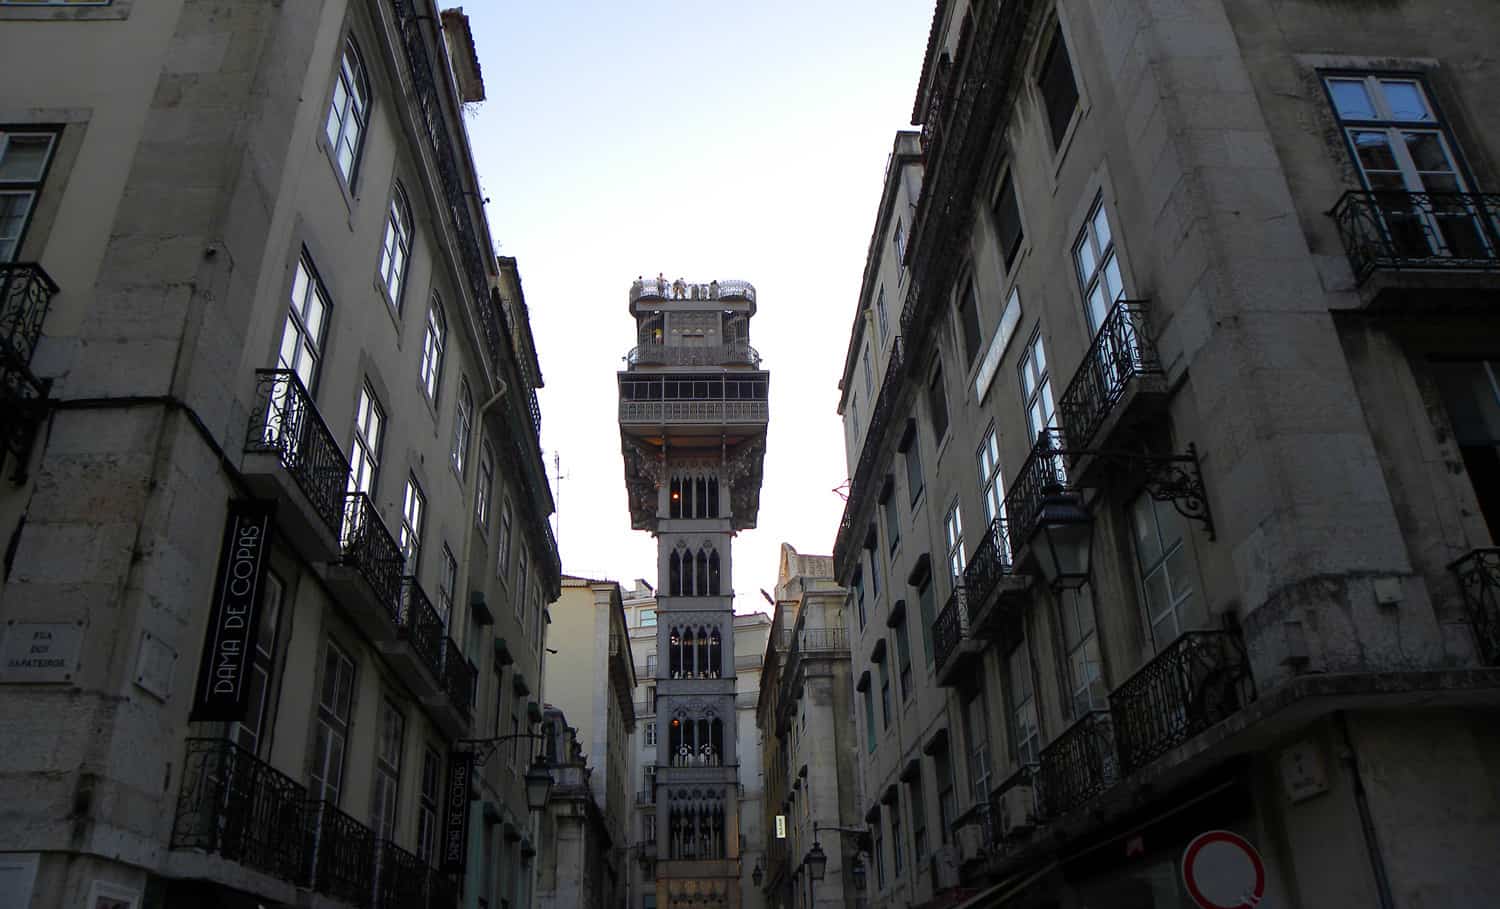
pixel 484 749
pixel 1167 478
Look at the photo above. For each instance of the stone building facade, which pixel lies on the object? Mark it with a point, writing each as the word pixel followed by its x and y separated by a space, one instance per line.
pixel 575 842
pixel 693 414
pixel 275 511
pixel 1170 408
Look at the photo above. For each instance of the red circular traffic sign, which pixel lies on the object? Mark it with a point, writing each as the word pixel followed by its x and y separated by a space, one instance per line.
pixel 1221 870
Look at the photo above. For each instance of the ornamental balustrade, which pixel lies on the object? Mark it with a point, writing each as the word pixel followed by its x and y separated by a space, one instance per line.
pixel 459 676
pixel 234 805
pixel 421 625
pixel 990 564
pixel 1195 682
pixel 1478 575
pixel 668 289
pixel 691 411
pixel 26 292
pixel 287 423
pixel 1395 229
pixel 684 355
pixel 1122 350
pixel 1042 468
pixel 400 878
pixel 950 627
pixel 340 854
pixel 1078 765
pixel 368 547
pixel 861 482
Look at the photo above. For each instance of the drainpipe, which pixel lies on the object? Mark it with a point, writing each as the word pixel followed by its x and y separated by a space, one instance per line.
pixel 1366 822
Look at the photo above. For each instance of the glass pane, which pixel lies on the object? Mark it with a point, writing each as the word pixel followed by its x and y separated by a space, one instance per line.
pixel 1351 99
pixel 13 209
pixel 346 159
pixel 1098 305
pixel 1180 572
pixel 1048 407
pixel 25 158
pixel 1374 150
pixel 1113 282
pixel 1083 255
pixel 1405 100
pixel 1101 229
pixel 336 111
pixel 314 317
pixel 300 281
pixel 1039 357
pixel 1427 152
pixel 1158 598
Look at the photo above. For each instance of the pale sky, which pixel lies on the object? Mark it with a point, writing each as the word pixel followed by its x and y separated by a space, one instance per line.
pixel 707 141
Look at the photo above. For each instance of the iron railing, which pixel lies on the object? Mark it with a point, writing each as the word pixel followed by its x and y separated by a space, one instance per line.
pixel 1392 229
pixel 1079 764
pixel 287 423
pixel 400 878
pixel 990 564
pixel 459 676
pixel 691 411
pixel 680 355
pixel 1041 469
pixel 1478 576
pixel 808 640
pixel 950 627
pixel 861 483
pixel 421 625
pixel 1122 350
pixel 237 806
pixel 668 289
pixel 339 855
pixel 367 546
pixel 26 292
pixel 1198 680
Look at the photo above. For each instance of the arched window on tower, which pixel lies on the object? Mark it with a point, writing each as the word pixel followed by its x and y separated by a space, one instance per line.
pixel 715 658
pixel 700 655
pixel 674 503
pixel 701 587
pixel 674 574
pixel 674 654
pixel 713 497
pixel 713 573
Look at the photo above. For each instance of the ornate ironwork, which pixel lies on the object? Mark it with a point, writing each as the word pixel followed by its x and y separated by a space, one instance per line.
pixel 950 627
pixel 1478 576
pixel 1078 765
pixel 287 422
pixel 680 355
pixel 26 292
pixel 369 547
pixel 237 806
pixel 1042 469
pixel 990 564
pixel 340 854
pixel 860 484
pixel 400 878
pixel 1198 680
pixel 667 289
pixel 459 676
pixel 421 625
pixel 1391 229
pixel 694 411
pixel 1122 350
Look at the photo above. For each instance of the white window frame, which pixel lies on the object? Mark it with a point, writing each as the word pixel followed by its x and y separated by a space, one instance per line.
pixel 395 249
pixel 334 714
pixel 463 427
pixel 502 544
pixel 306 327
pixel 1182 591
pixel 484 487
pixel 1096 264
pixel 1036 387
pixel 348 113
pixel 22 189
pixel 385 789
pixel 413 506
pixel 433 342
pixel 1026 735
pixel 953 535
pixel 447 584
pixel 364 452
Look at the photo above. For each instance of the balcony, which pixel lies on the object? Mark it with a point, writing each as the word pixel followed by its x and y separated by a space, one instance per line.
pixel 454 707
pixel 955 649
pixel 417 653
pixel 1078 765
pixel 997 593
pixel 1119 382
pixel 26 292
pixel 1042 468
pixel 682 355
pixel 339 855
pixel 1421 249
pixel 1198 680
pixel 400 878
pixel 240 808
pixel 667 289
pixel 645 797
pixel 861 485
pixel 292 458
pixel 706 412
pixel 369 570
pixel 1478 576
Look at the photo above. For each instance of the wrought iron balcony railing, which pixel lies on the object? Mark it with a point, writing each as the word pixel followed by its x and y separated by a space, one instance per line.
pixel 1042 468
pixel 1079 764
pixel 26 291
pixel 366 545
pixel 287 422
pixel 861 484
pixel 459 676
pixel 400 878
pixel 339 854
pixel 1478 576
pixel 679 355
pixel 690 411
pixel 990 564
pixel 421 625
pixel 236 806
pixel 1122 350
pixel 1388 229
pixel 950 627
pixel 1198 680
pixel 666 289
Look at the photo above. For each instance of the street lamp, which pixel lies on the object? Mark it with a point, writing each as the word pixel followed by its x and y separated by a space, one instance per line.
pixel 857 874
pixel 1066 530
pixel 538 785
pixel 757 875
pixel 816 861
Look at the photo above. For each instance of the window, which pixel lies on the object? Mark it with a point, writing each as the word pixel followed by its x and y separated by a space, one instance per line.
pixel 1025 734
pixel 968 321
pixel 651 665
pixel 395 250
pixel 918 815
pixel 521 568
pixel 1036 387
pixel 947 801
pixel 1008 222
pixel 885 695
pixel 384 796
pixel 899 239
pixel 991 483
pixel 1471 395
pixel 925 610
pixel 651 697
pixel 869 715
pixel 648 620
pixel 892 515
pixel 976 732
pixel 651 733
pixel 872 549
pixel 903 654
pixel 953 531
pixel 1166 570
pixel 893 809
pixel 1059 91
pixel 869 375
pixel 427 806
pixel 878 851
pixel 1081 650
pixel 249 733
pixel 348 113
pixel 502 545
pixel 859 596
pixel 485 487
pixel 463 426
pixel 332 731
pixel 432 347
pixel 882 319
pixel 411 524
pixel 913 458
pixel 23 166
pixel 937 402
pixel 306 324
pixel 1098 267
pixel 447 585
pixel 364 455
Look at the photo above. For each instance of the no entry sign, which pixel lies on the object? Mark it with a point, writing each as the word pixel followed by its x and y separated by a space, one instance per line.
pixel 1221 870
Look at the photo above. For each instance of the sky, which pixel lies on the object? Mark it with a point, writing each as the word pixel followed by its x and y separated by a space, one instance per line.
pixel 706 141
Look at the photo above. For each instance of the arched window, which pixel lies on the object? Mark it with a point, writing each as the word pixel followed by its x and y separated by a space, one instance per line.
pixel 674 506
pixel 700 498
pixel 674 655
pixel 700 655
pixel 713 573
pixel 715 660
pixel 701 587
pixel 713 497
pixel 396 249
pixel 348 113
pixel 674 574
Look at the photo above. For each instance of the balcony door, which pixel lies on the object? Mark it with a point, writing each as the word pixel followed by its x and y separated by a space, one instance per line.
pixel 1471 395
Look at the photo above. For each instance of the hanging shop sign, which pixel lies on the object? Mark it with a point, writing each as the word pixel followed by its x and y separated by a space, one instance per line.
pixel 456 821
pixel 1221 870
pixel 223 690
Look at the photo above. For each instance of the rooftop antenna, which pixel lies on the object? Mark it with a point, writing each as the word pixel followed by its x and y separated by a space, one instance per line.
pixel 558 477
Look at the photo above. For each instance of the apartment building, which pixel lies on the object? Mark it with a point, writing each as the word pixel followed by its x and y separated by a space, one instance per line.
pixel 1171 523
pixel 274 502
pixel 573 863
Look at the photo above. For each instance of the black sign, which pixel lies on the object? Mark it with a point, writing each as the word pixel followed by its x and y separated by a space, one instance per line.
pixel 223 691
pixel 456 827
